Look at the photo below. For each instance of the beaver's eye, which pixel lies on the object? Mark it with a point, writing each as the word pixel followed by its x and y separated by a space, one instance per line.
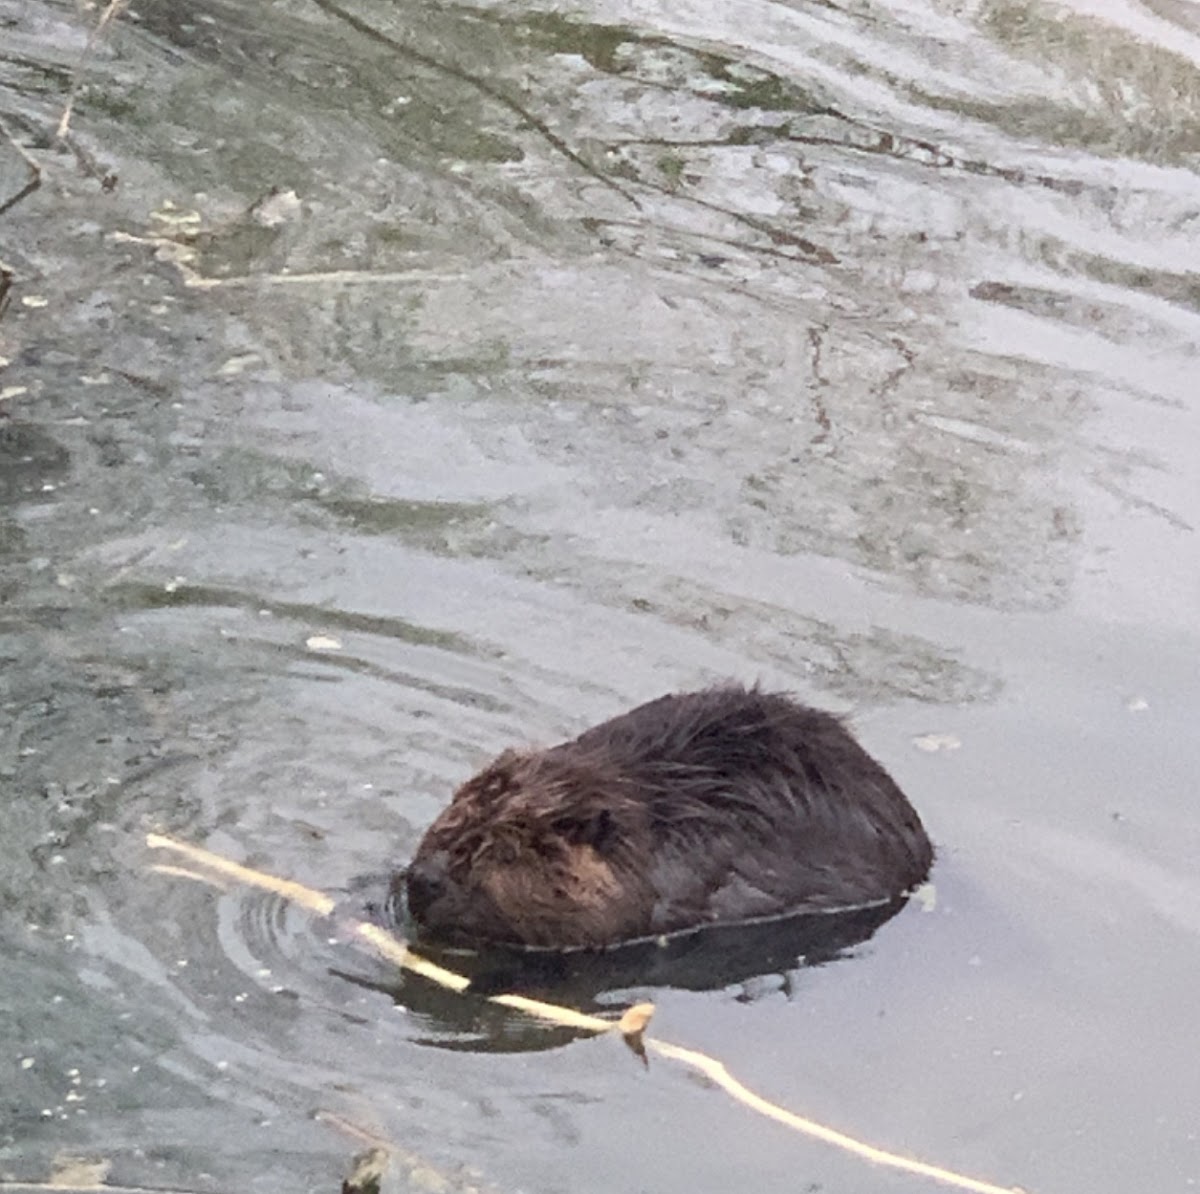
pixel 602 831
pixel 504 852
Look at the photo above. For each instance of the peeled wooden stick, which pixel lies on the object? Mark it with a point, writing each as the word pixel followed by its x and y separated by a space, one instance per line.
pixel 632 1024
pixel 64 121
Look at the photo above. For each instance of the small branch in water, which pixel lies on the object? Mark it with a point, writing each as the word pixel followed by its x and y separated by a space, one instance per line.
pixel 6 279
pixel 108 180
pixel 106 18
pixel 35 172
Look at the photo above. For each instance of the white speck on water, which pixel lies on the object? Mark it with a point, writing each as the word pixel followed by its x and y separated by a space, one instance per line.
pixel 322 642
pixel 932 743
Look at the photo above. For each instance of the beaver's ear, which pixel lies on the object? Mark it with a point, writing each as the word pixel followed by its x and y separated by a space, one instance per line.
pixel 598 830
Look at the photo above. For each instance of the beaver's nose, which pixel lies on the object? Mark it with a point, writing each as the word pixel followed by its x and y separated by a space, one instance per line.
pixel 425 882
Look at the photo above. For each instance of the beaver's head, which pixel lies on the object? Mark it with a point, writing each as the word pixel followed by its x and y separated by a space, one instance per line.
pixel 538 849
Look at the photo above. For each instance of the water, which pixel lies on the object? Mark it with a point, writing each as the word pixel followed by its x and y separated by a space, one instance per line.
pixel 548 362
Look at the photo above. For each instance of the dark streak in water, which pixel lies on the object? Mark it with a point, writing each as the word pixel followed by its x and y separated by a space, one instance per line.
pixel 131 594
pixel 492 92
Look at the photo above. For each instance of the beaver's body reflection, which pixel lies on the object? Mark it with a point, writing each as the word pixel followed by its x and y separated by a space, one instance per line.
pixel 711 958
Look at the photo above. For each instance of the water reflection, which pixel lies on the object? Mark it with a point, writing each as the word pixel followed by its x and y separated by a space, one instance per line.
pixel 598 980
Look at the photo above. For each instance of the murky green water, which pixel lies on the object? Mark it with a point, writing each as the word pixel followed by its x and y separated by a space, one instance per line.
pixel 549 360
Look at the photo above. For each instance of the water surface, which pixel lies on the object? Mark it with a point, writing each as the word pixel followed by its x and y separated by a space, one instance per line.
pixel 548 361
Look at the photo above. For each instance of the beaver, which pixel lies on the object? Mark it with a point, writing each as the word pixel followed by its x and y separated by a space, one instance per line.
pixel 704 808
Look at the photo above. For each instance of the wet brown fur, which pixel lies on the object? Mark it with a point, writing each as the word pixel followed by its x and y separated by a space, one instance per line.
pixel 711 807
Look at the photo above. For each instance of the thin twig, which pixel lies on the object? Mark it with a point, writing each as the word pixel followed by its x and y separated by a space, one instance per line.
pixel 64 121
pixel 35 171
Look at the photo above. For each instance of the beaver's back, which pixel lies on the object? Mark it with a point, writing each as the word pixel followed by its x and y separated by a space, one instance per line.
pixel 759 805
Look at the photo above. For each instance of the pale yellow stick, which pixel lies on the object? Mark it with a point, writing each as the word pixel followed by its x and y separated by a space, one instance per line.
pixel 314 901
pixel 716 1070
pixel 395 951
pixel 64 122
